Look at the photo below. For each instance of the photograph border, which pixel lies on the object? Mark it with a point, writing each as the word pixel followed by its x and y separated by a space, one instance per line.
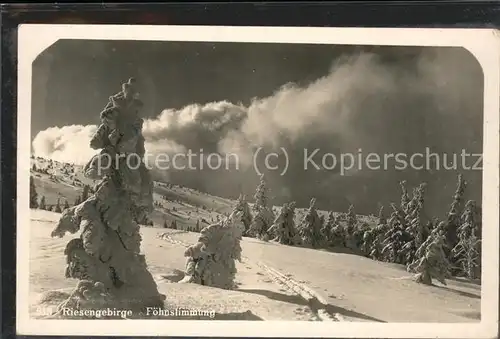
pixel 483 44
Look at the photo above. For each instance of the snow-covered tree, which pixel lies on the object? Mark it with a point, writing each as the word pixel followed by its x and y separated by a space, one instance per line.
pixel 242 205
pixel 310 228
pixel 165 225
pixel 42 205
pixel 394 238
pixel 212 260
pixel 284 225
pixel 416 230
pixel 57 208
pixel 453 218
pixel 66 204
pixel 173 225
pixel 431 262
pixel 263 214
pixel 107 252
pixel 351 220
pixel 33 194
pixel 327 230
pixel 467 252
pixel 261 195
pixel 78 201
pixel 405 197
pixel 381 216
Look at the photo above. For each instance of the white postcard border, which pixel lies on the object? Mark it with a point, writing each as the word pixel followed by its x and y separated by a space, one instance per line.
pixel 482 43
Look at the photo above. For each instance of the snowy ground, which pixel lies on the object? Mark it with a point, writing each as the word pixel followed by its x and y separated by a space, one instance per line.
pixel 275 282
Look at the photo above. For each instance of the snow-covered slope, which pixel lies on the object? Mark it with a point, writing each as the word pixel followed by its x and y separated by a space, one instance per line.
pixel 273 280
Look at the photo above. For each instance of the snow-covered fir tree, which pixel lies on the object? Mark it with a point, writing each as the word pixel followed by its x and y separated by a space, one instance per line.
pixel 107 251
pixel 431 262
pixel 405 197
pixel 284 225
pixel 453 217
pixel 33 194
pixel 263 215
pixel 416 230
pixel 310 228
pixel 327 231
pixel 351 220
pixel 42 205
pixel 394 238
pixel 467 252
pixel 57 208
pixel 242 205
pixel 381 216
pixel 212 260
pixel 66 204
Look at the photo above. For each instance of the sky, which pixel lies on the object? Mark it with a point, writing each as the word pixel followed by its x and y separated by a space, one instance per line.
pixel 236 97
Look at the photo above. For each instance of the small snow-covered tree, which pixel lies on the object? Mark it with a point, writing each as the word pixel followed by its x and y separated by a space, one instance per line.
pixel 310 229
pixel 42 204
pixel 33 194
pixel 242 205
pixel 431 262
pixel 416 231
pixel 263 214
pixel 174 225
pixel 327 231
pixel 78 201
pixel 57 208
pixel 165 225
pixel 467 252
pixel 405 197
pixel 284 225
pixel 453 218
pixel 66 204
pixel 351 220
pixel 381 216
pixel 212 260
pixel 394 238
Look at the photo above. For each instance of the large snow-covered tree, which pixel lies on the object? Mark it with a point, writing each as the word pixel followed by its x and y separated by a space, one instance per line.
pixel 107 254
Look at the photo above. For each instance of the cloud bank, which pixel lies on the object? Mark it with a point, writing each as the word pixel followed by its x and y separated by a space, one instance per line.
pixel 365 101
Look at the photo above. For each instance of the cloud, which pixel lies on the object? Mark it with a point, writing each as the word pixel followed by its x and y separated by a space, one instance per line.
pixel 66 144
pixel 366 101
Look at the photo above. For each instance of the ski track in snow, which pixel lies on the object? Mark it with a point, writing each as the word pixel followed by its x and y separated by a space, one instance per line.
pixel 317 304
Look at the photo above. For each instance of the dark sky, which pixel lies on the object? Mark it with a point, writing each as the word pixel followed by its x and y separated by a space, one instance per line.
pixel 73 79
pixel 438 105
